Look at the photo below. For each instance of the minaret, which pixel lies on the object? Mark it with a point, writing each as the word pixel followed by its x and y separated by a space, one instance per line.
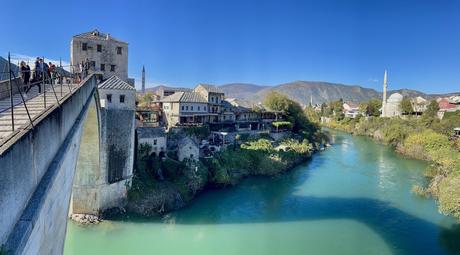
pixel 143 79
pixel 385 86
pixel 311 100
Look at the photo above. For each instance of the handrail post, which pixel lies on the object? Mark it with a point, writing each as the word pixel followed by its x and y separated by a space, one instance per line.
pixel 43 79
pixel 61 74
pixel 11 91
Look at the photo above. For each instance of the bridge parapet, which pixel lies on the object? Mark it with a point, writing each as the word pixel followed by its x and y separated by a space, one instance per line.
pixel 30 162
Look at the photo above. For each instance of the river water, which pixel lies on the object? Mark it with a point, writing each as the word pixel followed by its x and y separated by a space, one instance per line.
pixel 353 198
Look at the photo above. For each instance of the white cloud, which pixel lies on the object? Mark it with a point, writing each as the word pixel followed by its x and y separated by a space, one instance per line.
pixel 16 58
pixel 373 80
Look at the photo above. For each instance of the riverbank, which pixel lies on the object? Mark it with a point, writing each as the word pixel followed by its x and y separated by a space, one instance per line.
pixel 163 185
pixel 421 139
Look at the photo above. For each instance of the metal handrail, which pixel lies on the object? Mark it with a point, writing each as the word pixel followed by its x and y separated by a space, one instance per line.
pixel 44 79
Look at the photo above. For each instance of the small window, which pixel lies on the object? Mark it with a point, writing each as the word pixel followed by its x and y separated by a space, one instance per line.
pixel 122 98
pixel 92 63
pixel 186 108
pixel 154 141
pixel 112 68
pixel 109 98
pixel 191 108
pixel 99 48
pixel 102 67
pixel 205 108
pixel 84 46
pixel 119 50
pixel 198 108
pixel 182 108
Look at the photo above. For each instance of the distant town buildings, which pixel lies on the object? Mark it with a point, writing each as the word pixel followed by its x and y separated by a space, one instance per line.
pixel 102 52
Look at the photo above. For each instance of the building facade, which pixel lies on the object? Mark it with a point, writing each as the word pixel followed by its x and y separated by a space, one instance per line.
pixel 117 100
pixel 185 108
pixel 155 138
pixel 104 53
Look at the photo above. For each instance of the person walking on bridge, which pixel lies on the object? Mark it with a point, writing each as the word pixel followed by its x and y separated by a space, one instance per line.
pixel 25 74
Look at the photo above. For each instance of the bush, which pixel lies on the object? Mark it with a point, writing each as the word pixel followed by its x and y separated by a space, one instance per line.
pixel 449 195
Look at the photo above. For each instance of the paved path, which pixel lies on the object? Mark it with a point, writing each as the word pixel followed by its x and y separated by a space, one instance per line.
pixel 35 105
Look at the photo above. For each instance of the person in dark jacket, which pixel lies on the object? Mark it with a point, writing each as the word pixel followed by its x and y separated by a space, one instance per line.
pixel 25 72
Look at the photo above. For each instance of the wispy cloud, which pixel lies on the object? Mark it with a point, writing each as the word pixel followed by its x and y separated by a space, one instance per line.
pixel 16 58
pixel 373 80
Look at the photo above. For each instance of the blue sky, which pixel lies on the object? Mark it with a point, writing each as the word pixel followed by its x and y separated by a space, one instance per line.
pixel 184 42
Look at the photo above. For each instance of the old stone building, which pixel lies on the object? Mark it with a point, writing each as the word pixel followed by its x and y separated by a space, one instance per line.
pixel 188 149
pixel 214 97
pixel 117 100
pixel 105 54
pixel 182 108
pixel 155 138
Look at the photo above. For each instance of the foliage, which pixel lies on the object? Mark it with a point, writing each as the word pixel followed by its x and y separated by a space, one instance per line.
pixel 371 108
pixel 279 124
pixel 449 195
pixel 406 106
pixel 432 109
pixel 312 115
pixel 294 113
pixel 261 144
pixel 146 99
pixel 303 147
pixel 256 157
pixel 201 133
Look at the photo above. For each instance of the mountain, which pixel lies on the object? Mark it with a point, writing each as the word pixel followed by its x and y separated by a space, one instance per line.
pixel 320 92
pixel 301 91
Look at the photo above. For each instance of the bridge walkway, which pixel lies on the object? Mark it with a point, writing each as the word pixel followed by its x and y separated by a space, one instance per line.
pixel 35 104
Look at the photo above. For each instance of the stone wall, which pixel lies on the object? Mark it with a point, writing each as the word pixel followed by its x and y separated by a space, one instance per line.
pixel 5 87
pixel 37 172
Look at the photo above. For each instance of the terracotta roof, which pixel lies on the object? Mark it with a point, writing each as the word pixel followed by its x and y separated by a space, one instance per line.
pixel 96 35
pixel 445 105
pixel 211 88
pixel 115 83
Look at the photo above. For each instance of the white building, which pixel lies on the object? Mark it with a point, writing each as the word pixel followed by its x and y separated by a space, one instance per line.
pixel 185 108
pixel 155 137
pixel 391 106
pixel 105 54
pixel 188 149
pixel 351 110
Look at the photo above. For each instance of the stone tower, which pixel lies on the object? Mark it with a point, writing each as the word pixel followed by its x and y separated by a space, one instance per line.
pixel 143 79
pixel 385 86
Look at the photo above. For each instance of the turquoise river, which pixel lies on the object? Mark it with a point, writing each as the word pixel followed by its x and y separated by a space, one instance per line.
pixel 353 198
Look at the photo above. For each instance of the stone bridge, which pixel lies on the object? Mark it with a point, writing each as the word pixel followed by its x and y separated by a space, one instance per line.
pixel 58 165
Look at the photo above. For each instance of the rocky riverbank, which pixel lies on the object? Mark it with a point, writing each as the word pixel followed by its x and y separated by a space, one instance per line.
pixel 150 195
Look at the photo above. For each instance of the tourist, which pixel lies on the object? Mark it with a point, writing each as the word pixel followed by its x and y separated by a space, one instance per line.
pixel 52 72
pixel 25 73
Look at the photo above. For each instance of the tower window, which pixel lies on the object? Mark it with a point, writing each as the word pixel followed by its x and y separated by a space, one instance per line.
pixel 112 68
pixel 109 98
pixel 119 50
pixel 122 98
pixel 102 67
pixel 99 48
pixel 84 46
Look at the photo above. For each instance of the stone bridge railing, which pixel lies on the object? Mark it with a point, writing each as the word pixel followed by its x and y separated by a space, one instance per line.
pixel 37 167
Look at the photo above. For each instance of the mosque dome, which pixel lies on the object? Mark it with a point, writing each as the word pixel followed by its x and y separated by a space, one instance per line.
pixel 395 98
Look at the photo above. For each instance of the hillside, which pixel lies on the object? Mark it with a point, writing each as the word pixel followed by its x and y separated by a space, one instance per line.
pixel 301 91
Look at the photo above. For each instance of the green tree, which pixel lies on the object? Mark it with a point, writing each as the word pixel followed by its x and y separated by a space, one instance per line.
pixel 373 107
pixel 432 109
pixel 294 114
pixel 406 106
